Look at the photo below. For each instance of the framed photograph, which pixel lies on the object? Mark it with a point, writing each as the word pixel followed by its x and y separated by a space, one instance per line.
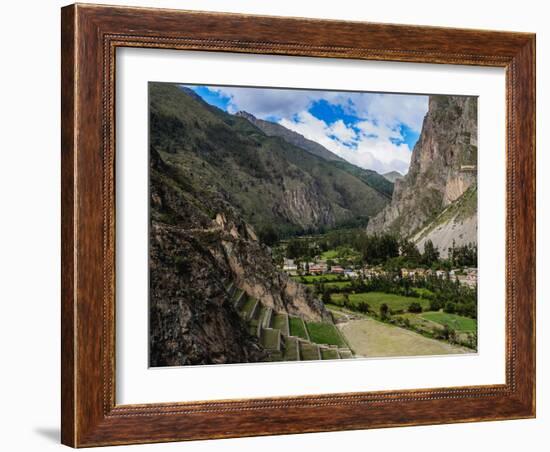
pixel 281 225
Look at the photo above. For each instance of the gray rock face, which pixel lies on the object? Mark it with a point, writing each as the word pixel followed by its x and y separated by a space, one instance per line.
pixel 276 130
pixel 443 167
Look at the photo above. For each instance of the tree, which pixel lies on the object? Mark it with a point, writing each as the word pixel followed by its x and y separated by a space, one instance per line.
pixel 346 299
pixel 463 256
pixel 377 249
pixel 415 307
pixel 326 297
pixel 450 307
pixel 409 252
pixel 317 288
pixel 435 304
pixel 268 235
pixel 431 254
pixel 299 249
pixel 384 311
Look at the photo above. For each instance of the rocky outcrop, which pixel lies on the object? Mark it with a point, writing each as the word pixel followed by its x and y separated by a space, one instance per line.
pixel 443 167
pixel 304 206
pixel 252 270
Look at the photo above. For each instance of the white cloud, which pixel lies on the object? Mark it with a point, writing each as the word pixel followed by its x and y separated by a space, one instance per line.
pixel 373 141
pixel 342 132
pixel 369 150
pixel 263 103
pixel 389 109
pixel 382 131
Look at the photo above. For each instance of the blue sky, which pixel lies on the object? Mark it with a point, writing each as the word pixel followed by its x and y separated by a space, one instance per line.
pixel 372 130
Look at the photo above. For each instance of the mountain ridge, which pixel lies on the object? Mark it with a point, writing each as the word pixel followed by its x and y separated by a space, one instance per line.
pixel 273 129
pixel 368 176
pixel 276 185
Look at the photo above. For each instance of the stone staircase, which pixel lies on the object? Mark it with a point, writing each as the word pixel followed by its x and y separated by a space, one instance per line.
pixel 273 331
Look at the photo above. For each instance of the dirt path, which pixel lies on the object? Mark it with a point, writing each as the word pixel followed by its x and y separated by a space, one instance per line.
pixel 370 338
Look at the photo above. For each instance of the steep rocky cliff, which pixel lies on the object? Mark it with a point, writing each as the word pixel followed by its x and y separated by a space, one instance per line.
pixel 443 168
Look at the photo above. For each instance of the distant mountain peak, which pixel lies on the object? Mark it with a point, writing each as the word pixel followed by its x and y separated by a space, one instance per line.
pixel 274 129
pixel 392 176
pixel 191 93
pixel 246 115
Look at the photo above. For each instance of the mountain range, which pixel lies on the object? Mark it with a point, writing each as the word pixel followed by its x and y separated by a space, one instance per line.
pixel 277 186
pixel 220 188
pixel 224 187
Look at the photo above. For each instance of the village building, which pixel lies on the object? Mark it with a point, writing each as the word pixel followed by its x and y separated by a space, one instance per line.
pixel 290 267
pixel 317 269
pixel 413 273
pixel 337 269
pixel 350 273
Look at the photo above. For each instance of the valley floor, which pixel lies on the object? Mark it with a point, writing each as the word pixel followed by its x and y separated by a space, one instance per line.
pixel 371 338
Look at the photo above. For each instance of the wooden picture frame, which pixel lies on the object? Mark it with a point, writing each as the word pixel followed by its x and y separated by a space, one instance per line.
pixel 90 36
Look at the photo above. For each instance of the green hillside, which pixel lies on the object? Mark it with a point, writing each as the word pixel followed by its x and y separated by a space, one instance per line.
pixel 369 177
pixel 276 186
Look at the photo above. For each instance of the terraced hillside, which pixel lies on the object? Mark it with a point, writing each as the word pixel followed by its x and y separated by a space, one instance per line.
pixel 289 338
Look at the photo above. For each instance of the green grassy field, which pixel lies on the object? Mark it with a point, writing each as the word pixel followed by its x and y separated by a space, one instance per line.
pixel 454 321
pixel 376 299
pixel 422 292
pixel 330 254
pixel 340 253
pixel 310 279
pixel 297 327
pixel 324 333
pixel 369 337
